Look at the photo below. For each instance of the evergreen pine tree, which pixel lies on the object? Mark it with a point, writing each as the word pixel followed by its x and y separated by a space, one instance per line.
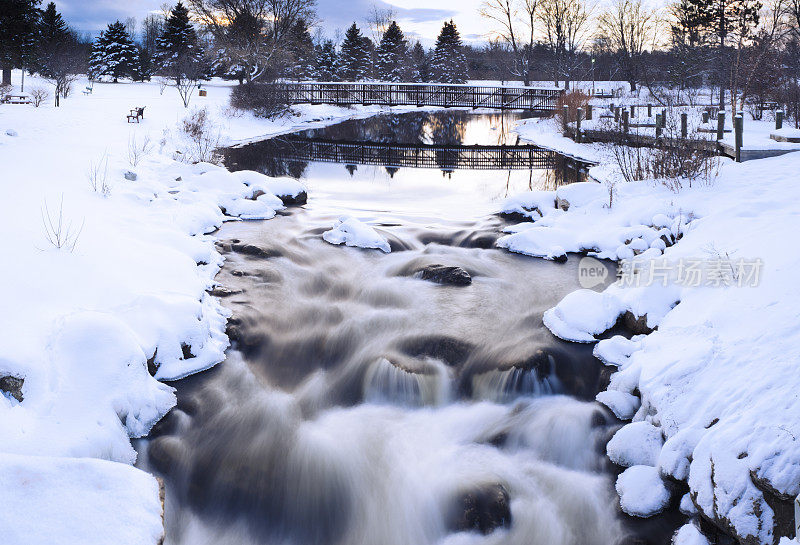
pixel 18 33
pixel 354 60
pixel 178 52
pixel 420 63
pixel 326 61
pixel 302 61
pixel 393 62
pixel 114 54
pixel 53 35
pixel 449 64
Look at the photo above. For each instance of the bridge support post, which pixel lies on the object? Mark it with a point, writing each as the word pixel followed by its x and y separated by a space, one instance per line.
pixel 738 127
pixel 720 125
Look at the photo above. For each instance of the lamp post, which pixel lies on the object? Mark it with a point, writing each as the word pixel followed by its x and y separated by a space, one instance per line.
pixel 592 76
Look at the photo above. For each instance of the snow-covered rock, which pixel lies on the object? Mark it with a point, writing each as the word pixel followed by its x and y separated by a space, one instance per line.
pixel 530 204
pixel 638 443
pixel 622 404
pixel 583 314
pixel 642 492
pixel 352 232
pixel 688 534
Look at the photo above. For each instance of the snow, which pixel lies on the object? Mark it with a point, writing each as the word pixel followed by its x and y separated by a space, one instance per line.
pixel 583 314
pixel 642 492
pixel 352 232
pixel 718 376
pixel 688 534
pixel 533 204
pixel 638 443
pixel 127 290
pixel 77 500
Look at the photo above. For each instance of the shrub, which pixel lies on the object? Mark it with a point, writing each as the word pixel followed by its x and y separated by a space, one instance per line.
pixel 572 100
pixel 259 98
pixel 201 136
pixel 39 95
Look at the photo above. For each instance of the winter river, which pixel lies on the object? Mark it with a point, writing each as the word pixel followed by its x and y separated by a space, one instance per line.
pixel 363 405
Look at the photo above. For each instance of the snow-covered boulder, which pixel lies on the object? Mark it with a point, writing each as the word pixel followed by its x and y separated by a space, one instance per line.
pixel 583 314
pixel 622 404
pixel 537 242
pixel 530 204
pixel 642 492
pixel 637 443
pixel 351 232
pixel 688 534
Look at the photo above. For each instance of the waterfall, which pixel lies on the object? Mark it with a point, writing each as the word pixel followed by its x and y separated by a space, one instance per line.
pixel 387 382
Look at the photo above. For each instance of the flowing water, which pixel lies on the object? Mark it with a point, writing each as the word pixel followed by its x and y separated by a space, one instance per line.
pixel 363 405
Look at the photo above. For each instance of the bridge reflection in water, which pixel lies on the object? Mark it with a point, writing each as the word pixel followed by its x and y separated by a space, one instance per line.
pixel 448 141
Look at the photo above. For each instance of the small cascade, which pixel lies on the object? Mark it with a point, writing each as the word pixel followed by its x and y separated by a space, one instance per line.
pixel 388 382
pixel 503 385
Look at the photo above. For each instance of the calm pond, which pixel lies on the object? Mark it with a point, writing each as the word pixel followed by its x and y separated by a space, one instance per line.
pixel 363 405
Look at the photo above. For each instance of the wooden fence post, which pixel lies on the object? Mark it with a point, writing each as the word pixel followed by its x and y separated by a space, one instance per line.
pixel 578 125
pixel 633 110
pixel 684 124
pixel 720 125
pixel 659 122
pixel 649 110
pixel 705 117
pixel 738 127
pixel 588 112
pixel 616 114
pixel 778 120
pixel 625 124
pixel 565 117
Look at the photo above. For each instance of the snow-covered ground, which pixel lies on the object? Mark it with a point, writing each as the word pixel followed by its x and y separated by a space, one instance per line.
pixel 126 291
pixel 713 270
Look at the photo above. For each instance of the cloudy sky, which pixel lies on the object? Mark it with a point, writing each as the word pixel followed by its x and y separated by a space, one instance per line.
pixel 418 18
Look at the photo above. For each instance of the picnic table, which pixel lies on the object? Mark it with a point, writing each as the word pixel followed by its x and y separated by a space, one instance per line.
pixel 136 114
pixel 17 99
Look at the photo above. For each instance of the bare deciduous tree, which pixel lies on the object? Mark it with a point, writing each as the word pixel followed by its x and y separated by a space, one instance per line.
pixel 515 20
pixel 629 28
pixel 565 29
pixel 252 34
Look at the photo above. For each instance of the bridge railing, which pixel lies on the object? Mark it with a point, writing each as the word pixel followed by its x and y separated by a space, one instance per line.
pixel 417 94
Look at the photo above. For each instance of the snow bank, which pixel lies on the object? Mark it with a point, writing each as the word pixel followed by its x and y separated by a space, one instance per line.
pixel 86 324
pixel 718 376
pixel 351 232
pixel 642 492
pixel 69 500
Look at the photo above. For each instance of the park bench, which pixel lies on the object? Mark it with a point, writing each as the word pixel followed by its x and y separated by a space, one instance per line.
pixel 88 90
pixel 17 99
pixel 136 114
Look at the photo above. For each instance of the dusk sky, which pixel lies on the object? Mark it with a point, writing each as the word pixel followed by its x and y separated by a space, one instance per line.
pixel 418 18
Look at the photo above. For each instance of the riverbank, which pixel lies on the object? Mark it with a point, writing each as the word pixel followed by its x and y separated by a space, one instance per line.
pixel 109 255
pixel 716 296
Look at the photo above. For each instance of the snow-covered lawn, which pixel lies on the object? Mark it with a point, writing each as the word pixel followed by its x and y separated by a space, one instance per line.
pixel 718 378
pixel 126 291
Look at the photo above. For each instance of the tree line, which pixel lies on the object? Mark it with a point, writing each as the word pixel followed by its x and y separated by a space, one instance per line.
pixel 747 50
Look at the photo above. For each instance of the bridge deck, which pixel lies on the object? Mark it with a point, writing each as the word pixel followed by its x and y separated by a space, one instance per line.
pixel 416 94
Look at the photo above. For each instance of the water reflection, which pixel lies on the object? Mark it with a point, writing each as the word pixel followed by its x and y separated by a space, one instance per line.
pixel 446 141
